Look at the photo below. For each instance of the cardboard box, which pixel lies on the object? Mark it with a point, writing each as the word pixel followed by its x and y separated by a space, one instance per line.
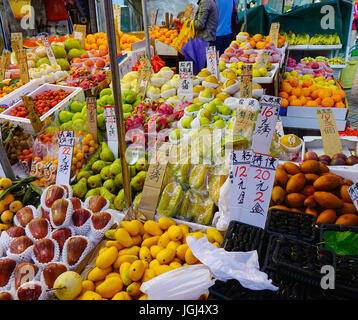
pixel 164 49
pixel 310 112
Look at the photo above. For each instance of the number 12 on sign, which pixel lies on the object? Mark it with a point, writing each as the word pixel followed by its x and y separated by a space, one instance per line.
pixel 65 153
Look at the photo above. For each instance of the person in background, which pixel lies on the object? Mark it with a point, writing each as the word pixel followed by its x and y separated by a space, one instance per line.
pixel 354 25
pixel 206 20
pixel 224 34
pixel 251 4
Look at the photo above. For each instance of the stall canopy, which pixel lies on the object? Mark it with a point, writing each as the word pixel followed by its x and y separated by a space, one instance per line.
pixel 310 18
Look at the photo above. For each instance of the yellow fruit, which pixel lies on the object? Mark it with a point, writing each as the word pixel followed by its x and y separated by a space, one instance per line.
pixel 214 235
pixel 124 273
pixel 181 250
pixel 90 295
pixel 175 233
pixel 131 251
pixel 217 244
pixel 8 198
pixel 166 256
pixel 136 270
pixel 150 241
pixel 134 289
pixel 189 257
pixel 114 243
pixel 175 265
pixel 102 250
pixel 5 183
pixel 7 216
pixel 146 264
pixel 143 297
pixel 122 296
pixel 107 258
pixel 87 285
pixel 173 245
pixel 123 237
pixel 197 234
pixel 184 227
pixel 124 258
pixel 162 269
pixel 144 254
pixel 154 250
pixel 112 274
pixel 164 240
pixel 137 240
pixel 152 228
pixel 146 236
pixel 165 222
pixel 153 264
pixel 140 226
pixel 148 274
pixel 15 206
pixel 110 234
pixel 97 274
pixel 131 227
pixel 109 287
pixel 4 227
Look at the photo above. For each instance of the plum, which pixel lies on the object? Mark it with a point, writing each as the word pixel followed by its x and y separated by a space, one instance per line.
pixel 352 160
pixel 338 162
pixel 339 155
pixel 325 159
pixel 310 155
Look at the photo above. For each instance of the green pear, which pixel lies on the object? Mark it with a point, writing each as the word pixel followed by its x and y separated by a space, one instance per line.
pixel 142 164
pixel 114 169
pixel 137 183
pixel 119 202
pixel 119 180
pixel 106 153
pixel 110 185
pixel 77 115
pixel 80 188
pixel 65 116
pixel 107 194
pixel 132 170
pixel 94 181
pixel 105 175
pixel 98 165
pixel 101 121
pixel 76 106
pixel 66 126
pixel 93 192
pixel 142 175
pixel 84 174
pixel 136 200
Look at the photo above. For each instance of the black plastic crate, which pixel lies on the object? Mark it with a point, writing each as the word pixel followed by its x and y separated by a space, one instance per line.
pixel 244 237
pixel 301 261
pixel 292 224
pixel 269 264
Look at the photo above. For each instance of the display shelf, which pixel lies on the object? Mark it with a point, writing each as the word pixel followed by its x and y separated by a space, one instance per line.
pixel 315 47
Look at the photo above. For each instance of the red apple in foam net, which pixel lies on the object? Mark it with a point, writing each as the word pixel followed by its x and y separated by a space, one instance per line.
pixel 38 227
pixel 61 235
pixel 7 267
pixel 44 250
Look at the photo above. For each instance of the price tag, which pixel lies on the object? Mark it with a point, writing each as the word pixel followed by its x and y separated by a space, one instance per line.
pixel 262 59
pixel 143 80
pixel 65 153
pixel 244 123
pixel 24 69
pixel 92 116
pixel 279 128
pixel 240 165
pixel 246 81
pixel 329 132
pixel 79 33
pixel 186 81
pixel 125 66
pixel 117 10
pixel 7 56
pixel 353 192
pixel 111 127
pixel 188 11
pixel 266 124
pixel 49 51
pixel 154 180
pixel 2 67
pixel 260 180
pixel 32 113
pixel 16 43
pixel 275 28
pixel 212 61
pixel 144 61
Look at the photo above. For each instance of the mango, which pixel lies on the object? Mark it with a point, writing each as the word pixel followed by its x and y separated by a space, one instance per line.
pixel 90 295
pixel 310 166
pixel 348 182
pixel 112 274
pixel 327 216
pixel 102 250
pixel 140 226
pixel 279 207
pixel 291 168
pixel 175 233
pixel 327 200
pixel 144 254
pixel 344 193
pixel 348 219
pixel 148 274
pixel 347 208
pixel 278 195
pixel 134 289
pixel 129 251
pixel 146 236
pixel 152 228
pixel 162 269
pixel 327 182
pixel 175 265
pixel 143 297
pixel 308 190
pixel 296 183
pixel 214 235
pixel 115 243
pixel 181 250
pixel 107 258
pixel 110 234
pixel 123 237
pixel 310 202
pixel 124 273
pixel 136 270
pixel 154 263
pixel 109 287
pixel 323 168
pixel 137 240
pixel 173 245
pixel 190 258
pixel 184 227
pixel 281 178
pixel 196 234
pixel 150 241
pixel 87 285
pixel 154 250
pixel 131 227
pixel 164 240
pixel 166 256
pixel 312 211
pixel 97 274
pixel 295 200
pixel 124 258
pixel 165 222
pixel 311 178
pixel 123 295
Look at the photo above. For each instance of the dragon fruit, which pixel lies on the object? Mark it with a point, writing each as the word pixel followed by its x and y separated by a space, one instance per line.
pixel 165 109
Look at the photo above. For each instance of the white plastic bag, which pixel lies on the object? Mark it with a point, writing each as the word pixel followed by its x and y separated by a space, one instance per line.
pixel 225 265
pixel 221 218
pixel 185 283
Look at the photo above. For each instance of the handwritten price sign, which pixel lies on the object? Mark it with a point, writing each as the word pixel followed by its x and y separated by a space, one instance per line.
pixel 65 153
pixel 212 61
pixel 49 51
pixel 260 180
pixel 246 81
pixel 111 127
pixel 186 81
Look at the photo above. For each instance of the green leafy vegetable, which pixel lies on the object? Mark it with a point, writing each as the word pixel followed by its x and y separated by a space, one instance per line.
pixel 343 243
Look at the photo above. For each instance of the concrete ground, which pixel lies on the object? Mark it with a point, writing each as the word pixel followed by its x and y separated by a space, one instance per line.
pixel 353 109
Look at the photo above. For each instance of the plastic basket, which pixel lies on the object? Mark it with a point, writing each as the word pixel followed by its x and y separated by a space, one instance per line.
pixel 348 74
pixel 295 225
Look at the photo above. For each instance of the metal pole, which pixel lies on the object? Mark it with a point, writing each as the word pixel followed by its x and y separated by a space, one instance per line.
pixel 146 33
pixel 116 87
pixel 245 15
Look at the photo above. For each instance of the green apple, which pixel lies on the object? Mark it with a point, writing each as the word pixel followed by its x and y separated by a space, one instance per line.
pixel 211 107
pixel 127 108
pixel 204 121
pixel 217 101
pixel 186 122
pixel 76 106
pixel 78 115
pixel 206 93
pixel 216 118
pixel 193 107
pixel 175 134
pixel 219 124
pixel 224 110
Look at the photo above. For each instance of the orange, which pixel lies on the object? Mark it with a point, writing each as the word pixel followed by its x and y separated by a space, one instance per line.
pixel 284 103
pixel 314 94
pixel 294 82
pixel 257 37
pixel 286 87
pixel 260 45
pixel 89 63
pixel 337 97
pixel 342 93
pixel 318 100
pixel 311 104
pixel 94 46
pixel 252 44
pixel 303 100
pixel 296 102
pixel 324 93
pixel 327 102
pixel 296 92
pixel 291 98
pixel 340 105
pixel 283 95
pixel 306 92
pixel 307 83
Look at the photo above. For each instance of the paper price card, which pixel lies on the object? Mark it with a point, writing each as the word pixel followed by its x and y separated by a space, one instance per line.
pixel 79 33
pixel 111 127
pixel 49 51
pixel 185 91
pixel 266 124
pixel 260 180
pixel 32 113
pixel 92 116
pixel 246 81
pixel 117 16
pixel 211 61
pixel 24 70
pixel 353 192
pixel 188 11
pixel 143 80
pixel 153 183
pixel 262 59
pixel 275 28
pixel 65 153
pixel 239 168
pixel 16 42
pixel 2 67
pixel 329 132
pixel 144 61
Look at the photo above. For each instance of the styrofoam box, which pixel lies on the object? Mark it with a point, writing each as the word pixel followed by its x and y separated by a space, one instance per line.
pixel 310 112
pixel 15 96
pixel 308 123
pixel 76 94
pixel 267 79
pixel 165 50
pixel 314 143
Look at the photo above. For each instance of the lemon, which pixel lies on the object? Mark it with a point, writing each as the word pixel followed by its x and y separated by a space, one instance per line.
pixel 290 140
pixel 256 73
pixel 263 72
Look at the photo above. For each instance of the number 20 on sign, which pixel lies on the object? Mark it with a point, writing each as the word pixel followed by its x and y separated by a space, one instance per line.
pixel 65 154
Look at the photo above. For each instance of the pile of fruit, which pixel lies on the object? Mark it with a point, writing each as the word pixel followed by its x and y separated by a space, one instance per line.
pixel 311 92
pixel 314 68
pixel 330 61
pixel 237 68
pixel 96 41
pixel 164 35
pixel 338 159
pixel 84 78
pixel 317 39
pixel 259 41
pixel 126 41
pixel 311 188
pixel 8 86
pixel 47 74
pixel 137 252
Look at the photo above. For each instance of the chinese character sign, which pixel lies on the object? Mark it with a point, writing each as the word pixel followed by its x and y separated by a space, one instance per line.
pixel 246 81
pixel 239 168
pixel 260 180
pixel 186 81
pixel 92 116
pixel 65 152
pixel 212 61
pixel 49 51
pixel 111 126
pixel 266 124
pixel 353 193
